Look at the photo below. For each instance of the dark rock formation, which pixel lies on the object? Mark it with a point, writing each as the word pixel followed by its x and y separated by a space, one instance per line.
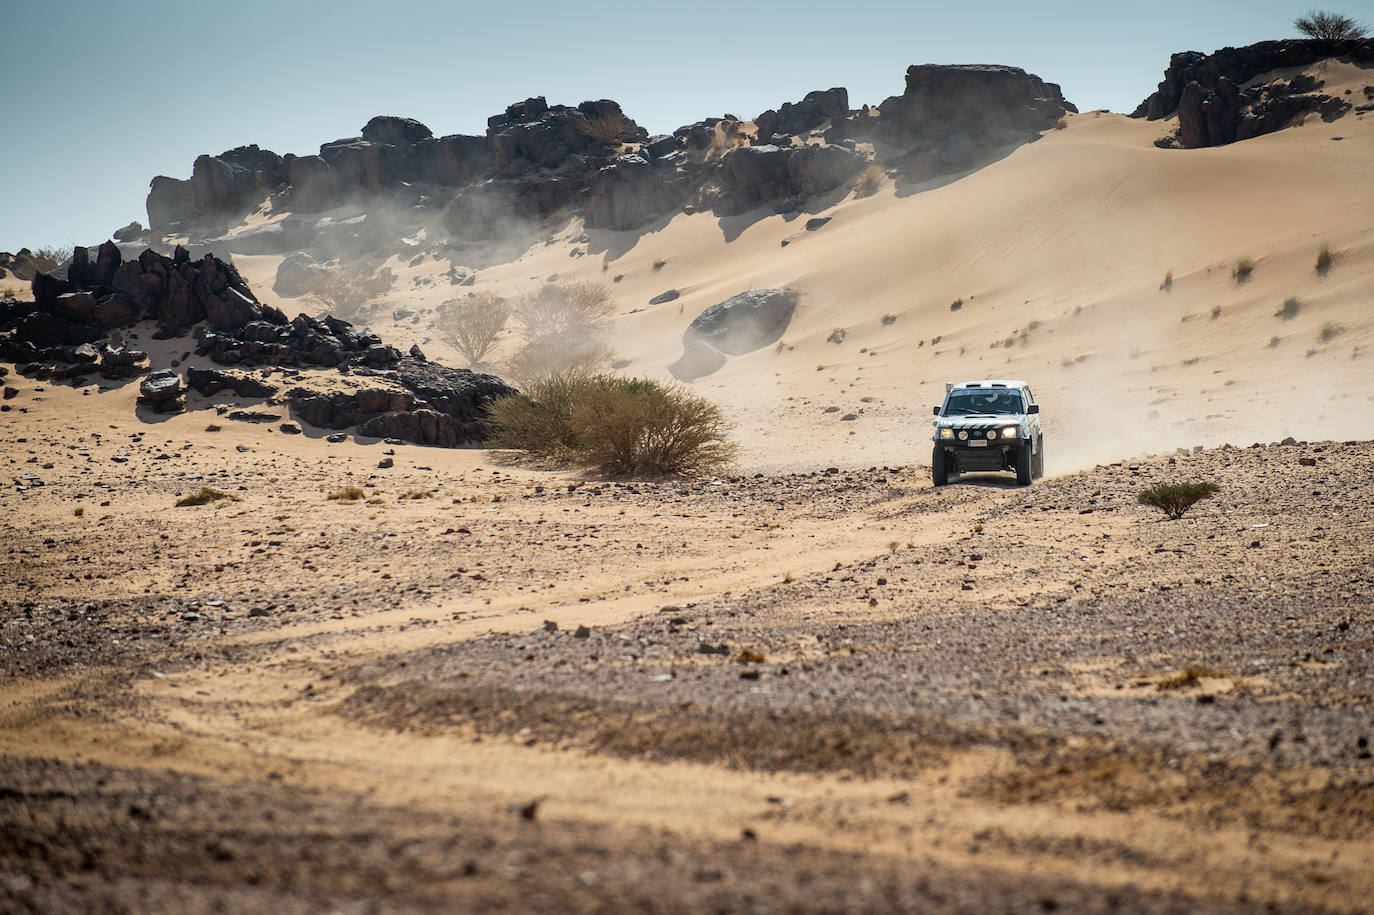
pixel 1216 107
pixel 394 131
pixel 209 382
pixel 811 113
pixel 750 175
pixel 161 392
pixel 817 169
pixel 438 406
pixel 295 274
pixel 1240 65
pixel 633 190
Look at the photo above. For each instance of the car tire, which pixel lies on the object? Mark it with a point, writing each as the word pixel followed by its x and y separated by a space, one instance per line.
pixel 1038 465
pixel 939 470
pixel 1023 465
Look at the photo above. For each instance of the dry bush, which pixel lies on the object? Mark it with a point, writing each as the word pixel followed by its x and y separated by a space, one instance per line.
pixel 1168 284
pixel 347 494
pixel 1325 258
pixel 1188 676
pixel 343 291
pixel 889 319
pixel 50 257
pixel 471 325
pixel 1289 309
pixel 869 180
pixel 1242 270
pixel 608 129
pixel 1174 499
pixel 1062 123
pixel 205 495
pixel 1329 26
pixel 1330 330
pixel 837 335
pixel 620 425
pixel 565 328
pixel 660 264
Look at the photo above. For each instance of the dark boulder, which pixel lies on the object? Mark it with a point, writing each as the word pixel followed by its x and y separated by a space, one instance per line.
pixel 811 113
pixel 452 160
pixel 817 169
pixel 161 392
pixel 364 169
pixel 117 363
pixel 753 174
pixel 169 202
pixel 942 100
pixel 46 287
pixel 132 232
pixel 295 275
pixel 394 131
pixel 744 322
pixel 663 297
pixel 75 306
pixel 211 381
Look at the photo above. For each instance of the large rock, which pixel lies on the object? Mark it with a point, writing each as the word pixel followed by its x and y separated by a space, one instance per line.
pixel 211 381
pixel 744 322
pixel 394 131
pixel 1241 65
pixel 452 160
pixel 161 391
pixel 943 100
pixel 295 275
pixel 631 191
pixel 312 183
pixel 226 184
pixel 752 174
pixel 363 168
pixel 817 169
pixel 169 202
pixel 811 113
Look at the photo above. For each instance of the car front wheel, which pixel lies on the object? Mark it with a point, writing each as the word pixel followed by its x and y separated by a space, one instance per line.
pixel 1023 465
pixel 939 470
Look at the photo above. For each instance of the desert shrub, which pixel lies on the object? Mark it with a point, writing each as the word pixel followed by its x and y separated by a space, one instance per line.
pixel 1168 284
pixel 471 325
pixel 1176 498
pixel 956 304
pixel 837 335
pixel 1242 270
pixel 347 494
pixel 869 180
pixel 660 264
pixel 620 425
pixel 608 129
pixel 1325 258
pixel 343 291
pixel 1062 123
pixel 1329 331
pixel 889 319
pixel 1289 309
pixel 1329 26
pixel 50 257
pixel 1273 342
pixel 1187 676
pixel 1216 312
pixel 565 329
pixel 205 495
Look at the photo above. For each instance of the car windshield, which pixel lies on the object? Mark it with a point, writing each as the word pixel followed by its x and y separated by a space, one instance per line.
pixel 967 402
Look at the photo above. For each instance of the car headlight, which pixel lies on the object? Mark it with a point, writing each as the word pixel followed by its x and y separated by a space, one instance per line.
pixel 1011 432
pixel 992 434
pixel 946 433
pixel 963 435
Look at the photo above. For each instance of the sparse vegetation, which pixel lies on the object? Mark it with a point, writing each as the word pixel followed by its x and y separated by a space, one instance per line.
pixel 416 494
pixel 565 329
pixel 1330 330
pixel 1273 342
pixel 1168 284
pixel 608 129
pixel 1174 499
pixel 660 264
pixel 627 426
pixel 347 494
pixel 471 325
pixel 213 427
pixel 50 257
pixel 79 511
pixel 889 319
pixel 870 179
pixel 204 496
pixel 1062 123
pixel 1325 258
pixel 344 291
pixel 956 304
pixel 1216 312
pixel 1188 676
pixel 1328 26
pixel 1242 270
pixel 1289 309
pixel 837 335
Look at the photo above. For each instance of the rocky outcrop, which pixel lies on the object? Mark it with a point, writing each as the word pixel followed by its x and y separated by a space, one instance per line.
pixel 1215 106
pixel 814 112
pixel 161 392
pixel 434 405
pixel 209 382
pixel 633 190
pixel 741 324
pixel 983 105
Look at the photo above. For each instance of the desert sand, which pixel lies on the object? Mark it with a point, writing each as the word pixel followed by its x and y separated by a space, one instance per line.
pixel 813 683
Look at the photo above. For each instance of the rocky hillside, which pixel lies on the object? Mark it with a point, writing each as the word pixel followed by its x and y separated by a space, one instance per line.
pixel 1214 106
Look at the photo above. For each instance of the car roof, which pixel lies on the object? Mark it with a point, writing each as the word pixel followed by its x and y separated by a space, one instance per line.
pixel 994 383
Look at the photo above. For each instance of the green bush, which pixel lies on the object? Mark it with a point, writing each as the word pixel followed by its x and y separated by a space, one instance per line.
pixel 620 425
pixel 1176 498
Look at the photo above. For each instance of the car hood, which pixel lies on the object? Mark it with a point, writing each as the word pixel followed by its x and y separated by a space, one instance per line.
pixel 980 420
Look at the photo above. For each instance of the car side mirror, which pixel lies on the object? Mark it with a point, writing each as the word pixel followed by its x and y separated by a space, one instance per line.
pixel 937 411
pixel 1035 408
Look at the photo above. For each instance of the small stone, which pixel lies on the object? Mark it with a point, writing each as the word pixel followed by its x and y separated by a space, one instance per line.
pixel 386 462
pixel 336 437
pixel 582 632
pixel 1307 461
pixel 291 428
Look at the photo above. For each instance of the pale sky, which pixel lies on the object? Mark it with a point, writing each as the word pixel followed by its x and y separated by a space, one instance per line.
pixel 98 97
